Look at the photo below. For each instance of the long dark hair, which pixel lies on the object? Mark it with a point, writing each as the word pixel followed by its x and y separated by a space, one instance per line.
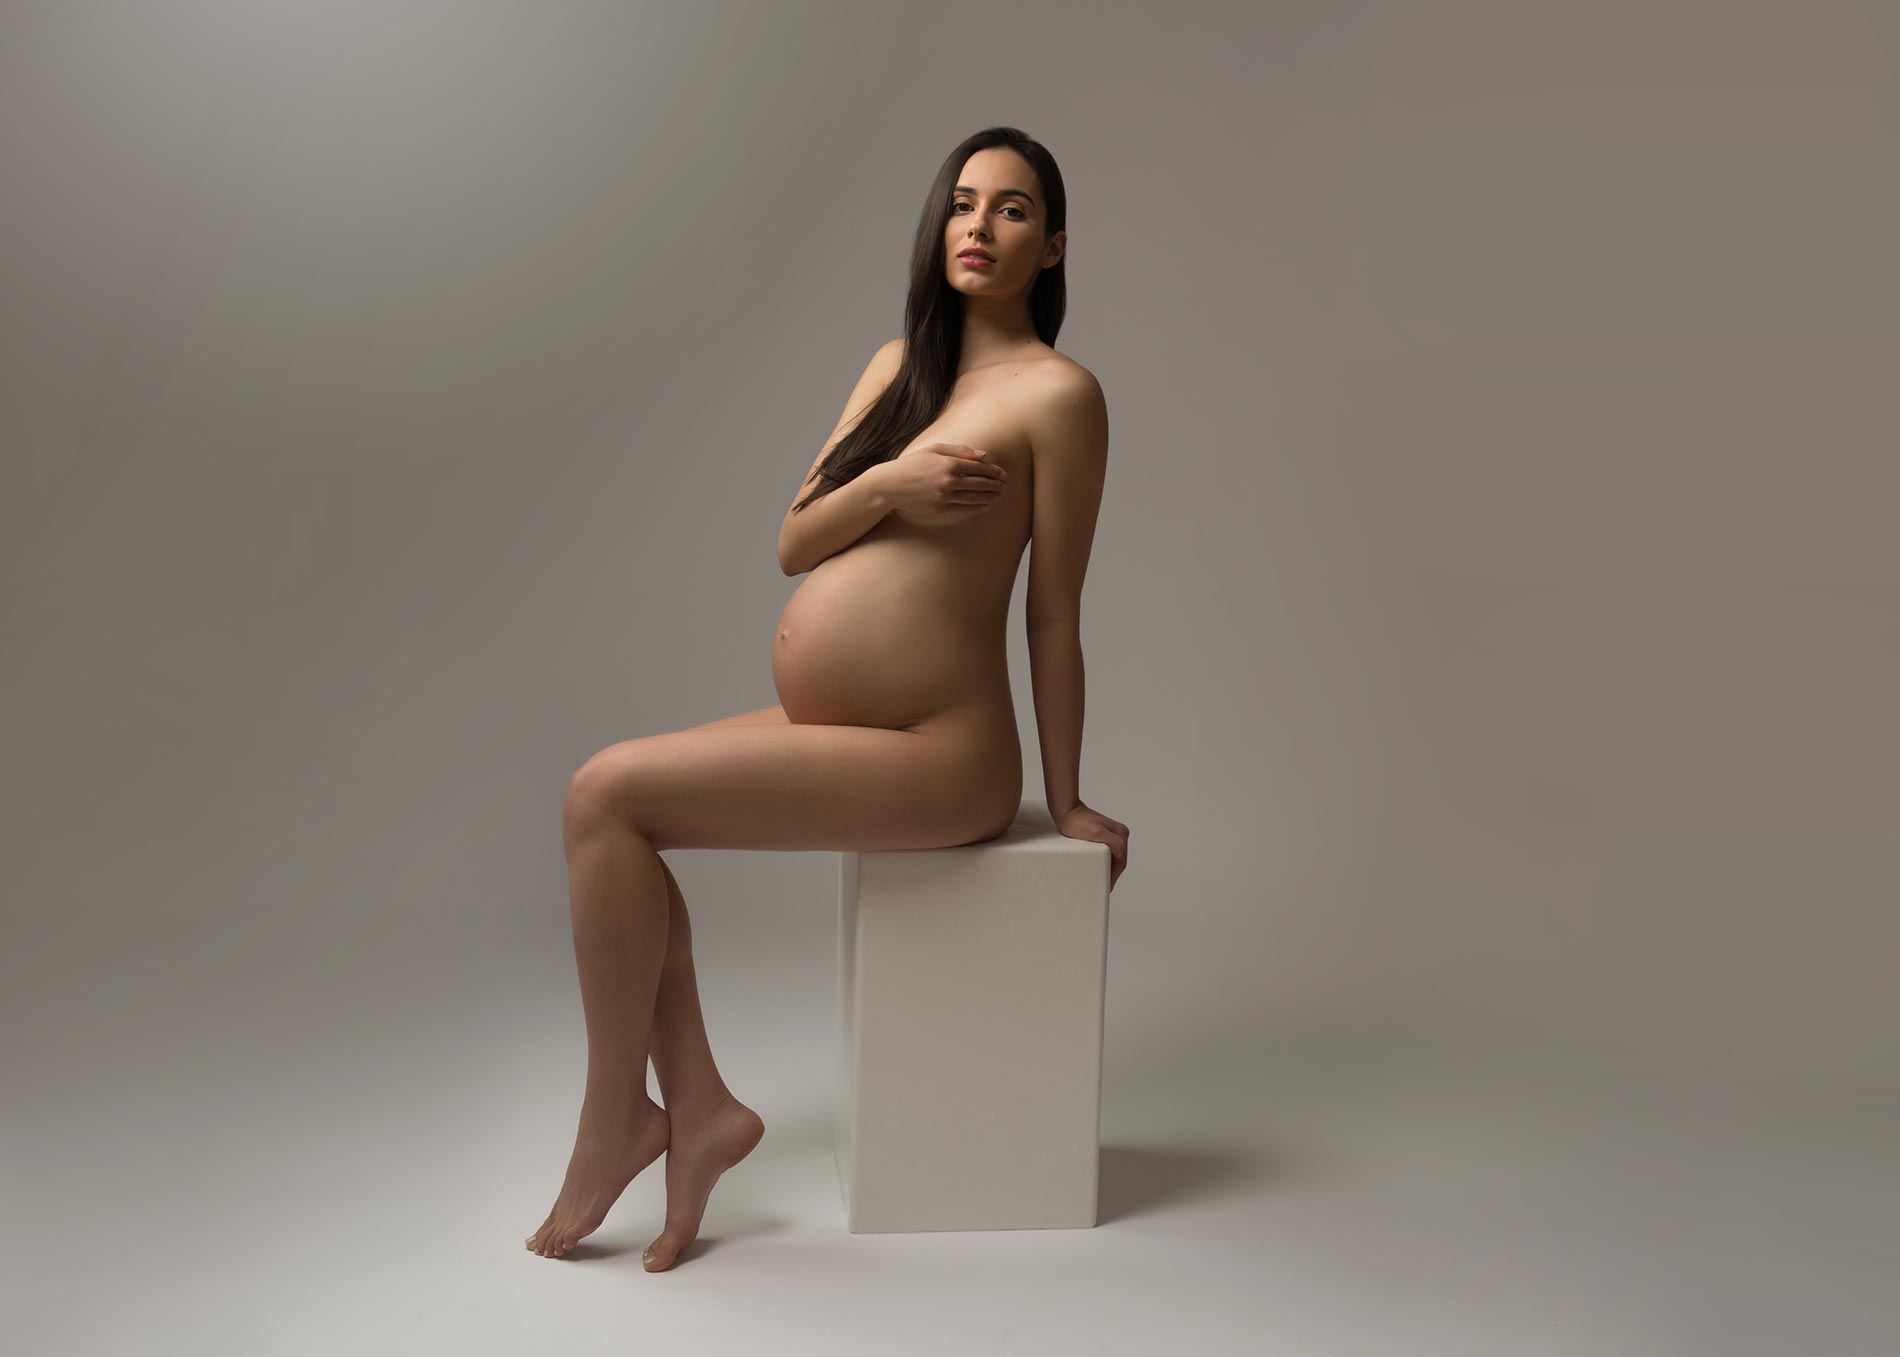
pixel 933 317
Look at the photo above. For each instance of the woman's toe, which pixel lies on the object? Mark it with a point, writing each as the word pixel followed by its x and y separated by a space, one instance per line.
pixel 662 1253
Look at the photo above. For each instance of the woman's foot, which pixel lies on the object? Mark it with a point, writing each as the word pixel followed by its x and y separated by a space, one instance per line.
pixel 607 1156
pixel 704 1145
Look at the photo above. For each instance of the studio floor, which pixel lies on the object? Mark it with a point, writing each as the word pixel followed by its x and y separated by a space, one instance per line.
pixel 1382 1192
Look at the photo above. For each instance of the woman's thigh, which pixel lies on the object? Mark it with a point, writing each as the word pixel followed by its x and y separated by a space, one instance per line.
pixel 765 785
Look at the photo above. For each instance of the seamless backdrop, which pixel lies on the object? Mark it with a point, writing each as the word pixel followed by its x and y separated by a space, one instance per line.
pixel 1491 630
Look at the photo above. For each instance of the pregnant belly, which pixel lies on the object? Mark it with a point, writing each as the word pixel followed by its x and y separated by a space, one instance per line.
pixel 864 642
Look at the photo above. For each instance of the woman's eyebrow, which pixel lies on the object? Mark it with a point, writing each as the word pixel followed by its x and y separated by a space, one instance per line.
pixel 1001 193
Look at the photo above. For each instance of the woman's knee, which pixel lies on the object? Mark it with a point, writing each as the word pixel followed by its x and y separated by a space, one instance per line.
pixel 597 793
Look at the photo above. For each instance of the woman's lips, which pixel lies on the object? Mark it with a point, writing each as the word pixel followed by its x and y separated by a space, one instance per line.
pixel 977 261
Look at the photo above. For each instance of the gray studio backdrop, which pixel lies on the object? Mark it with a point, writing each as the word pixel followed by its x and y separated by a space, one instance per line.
pixel 1491 631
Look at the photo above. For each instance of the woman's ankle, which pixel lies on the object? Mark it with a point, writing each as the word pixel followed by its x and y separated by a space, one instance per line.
pixel 686 1109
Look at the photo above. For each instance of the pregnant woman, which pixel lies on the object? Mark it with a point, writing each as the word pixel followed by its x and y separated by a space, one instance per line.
pixel 964 441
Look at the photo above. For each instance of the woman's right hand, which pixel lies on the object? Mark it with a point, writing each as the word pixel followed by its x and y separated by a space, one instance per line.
pixel 941 483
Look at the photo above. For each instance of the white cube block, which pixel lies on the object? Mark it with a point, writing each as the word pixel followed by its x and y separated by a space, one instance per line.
pixel 970 1002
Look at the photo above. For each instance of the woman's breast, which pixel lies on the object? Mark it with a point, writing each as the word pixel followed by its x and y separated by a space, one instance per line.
pixel 881 634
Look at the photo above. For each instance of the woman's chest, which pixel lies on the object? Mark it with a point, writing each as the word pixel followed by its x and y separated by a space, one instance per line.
pixel 991 420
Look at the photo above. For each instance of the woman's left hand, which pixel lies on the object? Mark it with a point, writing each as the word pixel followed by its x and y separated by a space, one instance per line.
pixel 1081 821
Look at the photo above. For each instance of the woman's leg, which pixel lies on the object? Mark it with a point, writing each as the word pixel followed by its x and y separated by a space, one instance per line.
pixel 619 952
pixel 709 1130
pixel 690 1082
pixel 621 1135
pixel 735 784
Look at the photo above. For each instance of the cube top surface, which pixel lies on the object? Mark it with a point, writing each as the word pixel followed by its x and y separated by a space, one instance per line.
pixel 1033 831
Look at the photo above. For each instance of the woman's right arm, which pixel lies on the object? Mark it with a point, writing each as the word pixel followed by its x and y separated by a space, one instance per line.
pixel 834 521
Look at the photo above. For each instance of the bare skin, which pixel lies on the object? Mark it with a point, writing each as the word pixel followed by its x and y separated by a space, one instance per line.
pixel 894 729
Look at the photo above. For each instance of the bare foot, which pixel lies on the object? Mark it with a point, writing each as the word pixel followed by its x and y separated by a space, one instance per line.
pixel 605 1160
pixel 703 1147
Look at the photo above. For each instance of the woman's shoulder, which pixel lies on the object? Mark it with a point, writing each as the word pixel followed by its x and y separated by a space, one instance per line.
pixel 1063 383
pixel 889 357
pixel 1063 408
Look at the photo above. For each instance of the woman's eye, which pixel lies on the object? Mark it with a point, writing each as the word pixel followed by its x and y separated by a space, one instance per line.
pixel 1020 214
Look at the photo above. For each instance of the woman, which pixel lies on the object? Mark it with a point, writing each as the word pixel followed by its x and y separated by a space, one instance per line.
pixel 963 441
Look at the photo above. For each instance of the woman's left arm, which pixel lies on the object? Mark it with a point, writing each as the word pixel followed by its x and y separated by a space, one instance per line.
pixel 1068 437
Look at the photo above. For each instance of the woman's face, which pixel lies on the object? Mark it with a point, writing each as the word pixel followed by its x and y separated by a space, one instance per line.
pixel 997 208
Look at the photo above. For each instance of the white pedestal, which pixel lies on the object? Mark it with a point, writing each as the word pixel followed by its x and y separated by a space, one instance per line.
pixel 970 1002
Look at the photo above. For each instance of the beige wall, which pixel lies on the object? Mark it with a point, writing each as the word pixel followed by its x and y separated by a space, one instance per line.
pixel 1492 624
